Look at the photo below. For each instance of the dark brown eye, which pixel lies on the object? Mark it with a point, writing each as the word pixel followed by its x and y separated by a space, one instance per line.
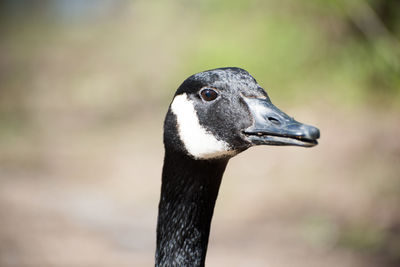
pixel 208 94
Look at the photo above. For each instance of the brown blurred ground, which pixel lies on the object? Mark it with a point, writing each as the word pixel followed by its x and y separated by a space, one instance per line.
pixel 92 201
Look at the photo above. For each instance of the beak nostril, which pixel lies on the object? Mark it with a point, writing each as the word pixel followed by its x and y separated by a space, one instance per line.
pixel 274 121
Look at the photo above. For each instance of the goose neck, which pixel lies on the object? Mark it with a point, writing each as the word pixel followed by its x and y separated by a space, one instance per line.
pixel 188 194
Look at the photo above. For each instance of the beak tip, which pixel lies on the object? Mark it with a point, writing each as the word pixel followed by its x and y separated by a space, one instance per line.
pixel 313 132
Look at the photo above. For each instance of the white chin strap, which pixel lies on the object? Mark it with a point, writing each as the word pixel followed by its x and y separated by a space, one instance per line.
pixel 200 143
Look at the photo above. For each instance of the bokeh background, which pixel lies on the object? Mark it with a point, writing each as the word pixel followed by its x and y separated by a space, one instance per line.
pixel 84 86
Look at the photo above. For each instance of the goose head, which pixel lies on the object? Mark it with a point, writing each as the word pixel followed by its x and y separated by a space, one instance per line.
pixel 222 112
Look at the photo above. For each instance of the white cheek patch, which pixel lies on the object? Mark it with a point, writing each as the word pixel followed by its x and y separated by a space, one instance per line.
pixel 200 143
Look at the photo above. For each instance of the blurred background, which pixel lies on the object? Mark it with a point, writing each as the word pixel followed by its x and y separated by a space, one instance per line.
pixel 84 87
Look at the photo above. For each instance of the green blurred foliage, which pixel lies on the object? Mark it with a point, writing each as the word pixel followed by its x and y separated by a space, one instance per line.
pixel 341 51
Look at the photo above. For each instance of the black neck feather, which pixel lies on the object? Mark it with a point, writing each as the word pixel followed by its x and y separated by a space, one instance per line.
pixel 188 194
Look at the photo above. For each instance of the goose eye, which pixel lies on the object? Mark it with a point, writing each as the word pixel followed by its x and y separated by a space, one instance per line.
pixel 208 94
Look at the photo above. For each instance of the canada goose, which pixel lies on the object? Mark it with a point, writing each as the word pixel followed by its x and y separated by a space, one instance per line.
pixel 213 116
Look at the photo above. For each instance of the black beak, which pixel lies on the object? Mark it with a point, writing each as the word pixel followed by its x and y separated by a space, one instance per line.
pixel 271 126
